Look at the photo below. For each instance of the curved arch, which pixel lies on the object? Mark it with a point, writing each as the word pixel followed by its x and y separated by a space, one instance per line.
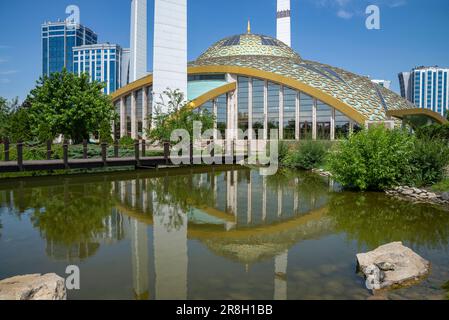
pixel 417 112
pixel 198 102
pixel 251 72
pixel 292 83
pixel 133 86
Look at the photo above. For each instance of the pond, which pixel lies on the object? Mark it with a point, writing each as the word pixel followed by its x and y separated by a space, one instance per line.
pixel 212 233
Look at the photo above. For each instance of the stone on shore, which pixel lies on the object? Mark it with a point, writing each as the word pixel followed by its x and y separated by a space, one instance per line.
pixel 399 265
pixel 33 287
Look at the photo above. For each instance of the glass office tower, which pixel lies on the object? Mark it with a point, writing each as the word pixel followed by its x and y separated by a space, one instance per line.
pixel 427 88
pixel 102 62
pixel 58 40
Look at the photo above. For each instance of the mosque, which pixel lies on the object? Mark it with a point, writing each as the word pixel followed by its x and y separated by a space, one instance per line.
pixel 252 81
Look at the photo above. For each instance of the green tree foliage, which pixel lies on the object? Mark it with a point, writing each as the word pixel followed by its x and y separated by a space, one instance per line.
pixel 71 105
pixel 435 131
pixel 379 159
pixel 374 159
pixel 307 155
pixel 178 115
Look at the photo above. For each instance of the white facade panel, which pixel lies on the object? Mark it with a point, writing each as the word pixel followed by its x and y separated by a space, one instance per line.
pixel 170 48
pixel 138 62
pixel 284 22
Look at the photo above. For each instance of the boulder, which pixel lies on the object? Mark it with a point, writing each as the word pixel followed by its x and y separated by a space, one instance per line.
pixel 33 287
pixel 445 196
pixel 399 265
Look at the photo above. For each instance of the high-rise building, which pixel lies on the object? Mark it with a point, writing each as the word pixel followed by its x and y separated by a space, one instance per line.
pixel 284 22
pixel 58 40
pixel 126 66
pixel 170 48
pixel 138 62
pixel 427 88
pixel 103 62
pixel 383 83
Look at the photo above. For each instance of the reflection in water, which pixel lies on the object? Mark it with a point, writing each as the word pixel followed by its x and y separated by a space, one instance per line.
pixel 373 220
pixel 237 215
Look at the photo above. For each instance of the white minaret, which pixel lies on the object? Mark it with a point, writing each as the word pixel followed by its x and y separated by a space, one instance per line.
pixel 170 47
pixel 139 25
pixel 284 22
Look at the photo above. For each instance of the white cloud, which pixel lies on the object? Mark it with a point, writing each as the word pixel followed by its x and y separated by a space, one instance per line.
pixel 9 72
pixel 344 14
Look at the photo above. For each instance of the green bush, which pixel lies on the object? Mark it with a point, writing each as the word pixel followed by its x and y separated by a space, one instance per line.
pixel 126 142
pixel 307 155
pixel 374 159
pixel 432 132
pixel 428 161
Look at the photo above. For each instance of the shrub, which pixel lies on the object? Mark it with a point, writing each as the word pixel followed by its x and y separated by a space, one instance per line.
pixel 283 150
pixel 374 159
pixel 428 161
pixel 308 155
pixel 433 132
pixel 126 141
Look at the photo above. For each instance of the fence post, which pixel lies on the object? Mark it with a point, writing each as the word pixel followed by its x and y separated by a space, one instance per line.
pixel 116 147
pixel 84 149
pixel 144 146
pixel 49 143
pixel 137 152
pixel 6 149
pixel 65 149
pixel 104 153
pixel 20 155
pixel 166 152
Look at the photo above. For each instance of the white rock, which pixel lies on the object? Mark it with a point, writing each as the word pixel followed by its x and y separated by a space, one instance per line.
pixel 406 265
pixel 33 287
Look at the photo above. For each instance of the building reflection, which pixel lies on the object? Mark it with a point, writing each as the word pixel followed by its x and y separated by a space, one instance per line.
pixel 228 211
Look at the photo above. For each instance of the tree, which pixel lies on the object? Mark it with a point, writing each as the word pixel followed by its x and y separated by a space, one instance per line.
pixel 175 114
pixel 71 105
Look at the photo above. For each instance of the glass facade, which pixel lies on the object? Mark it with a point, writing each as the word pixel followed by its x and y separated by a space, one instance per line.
pixel 102 62
pixel 258 108
pixel 58 41
pixel 290 96
pixel 430 89
pixel 323 121
pixel 243 101
pixel 305 116
pixel 222 114
pixel 273 108
pixel 329 122
pixel 295 113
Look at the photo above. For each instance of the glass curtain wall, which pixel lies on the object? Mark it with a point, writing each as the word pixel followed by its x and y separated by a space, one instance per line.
pixel 222 114
pixel 273 107
pixel 289 114
pixel 305 117
pixel 323 121
pixel 243 100
pixel 258 108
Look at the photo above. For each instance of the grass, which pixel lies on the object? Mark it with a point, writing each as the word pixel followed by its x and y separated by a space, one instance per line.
pixel 26 174
pixel 442 186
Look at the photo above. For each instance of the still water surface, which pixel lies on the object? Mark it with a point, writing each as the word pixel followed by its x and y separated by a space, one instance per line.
pixel 206 233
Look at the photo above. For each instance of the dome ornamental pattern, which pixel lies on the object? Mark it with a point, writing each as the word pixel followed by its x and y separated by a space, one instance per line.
pixel 263 53
pixel 250 45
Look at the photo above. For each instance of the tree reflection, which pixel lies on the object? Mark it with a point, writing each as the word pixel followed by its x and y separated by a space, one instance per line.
pixel 178 195
pixel 70 217
pixel 374 219
pixel 446 288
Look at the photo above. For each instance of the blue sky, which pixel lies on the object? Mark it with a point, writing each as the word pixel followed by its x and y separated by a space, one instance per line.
pixel 413 32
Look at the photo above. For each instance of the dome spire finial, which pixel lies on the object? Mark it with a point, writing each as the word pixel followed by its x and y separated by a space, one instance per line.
pixel 249 26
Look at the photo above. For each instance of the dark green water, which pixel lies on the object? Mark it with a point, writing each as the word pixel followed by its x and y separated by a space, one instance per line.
pixel 211 234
